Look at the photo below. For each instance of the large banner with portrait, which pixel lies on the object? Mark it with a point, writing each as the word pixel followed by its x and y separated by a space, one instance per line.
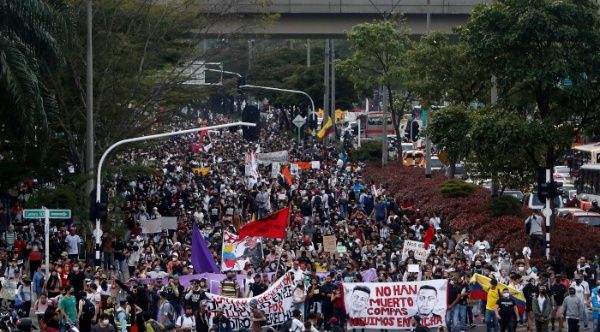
pixel 275 302
pixel 391 305
pixel 236 254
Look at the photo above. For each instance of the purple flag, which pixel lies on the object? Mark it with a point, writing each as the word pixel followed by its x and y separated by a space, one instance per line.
pixel 202 259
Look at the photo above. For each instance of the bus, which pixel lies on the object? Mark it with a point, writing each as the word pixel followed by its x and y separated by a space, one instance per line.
pixel 588 153
pixel 588 182
pixel 374 128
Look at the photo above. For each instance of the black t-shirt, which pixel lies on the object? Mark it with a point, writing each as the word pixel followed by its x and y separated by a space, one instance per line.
pixel 558 291
pixel 197 296
pixel 257 288
pixel 506 308
pixel 454 291
pixel 118 248
pixel 76 280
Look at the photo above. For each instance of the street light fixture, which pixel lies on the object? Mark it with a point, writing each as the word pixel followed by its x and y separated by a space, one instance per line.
pixel 98 231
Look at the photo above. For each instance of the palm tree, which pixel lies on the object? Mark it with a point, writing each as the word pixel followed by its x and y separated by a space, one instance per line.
pixel 29 51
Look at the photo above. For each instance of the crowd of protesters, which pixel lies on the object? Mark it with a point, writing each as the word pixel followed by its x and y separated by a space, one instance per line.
pixel 333 199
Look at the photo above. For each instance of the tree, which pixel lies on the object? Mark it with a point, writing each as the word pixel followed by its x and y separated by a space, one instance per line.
pixel 449 128
pixel 379 58
pixel 441 71
pixel 30 51
pixel 532 46
pixel 141 52
pixel 499 137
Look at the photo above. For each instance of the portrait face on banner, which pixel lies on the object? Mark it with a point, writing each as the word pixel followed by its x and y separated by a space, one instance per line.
pixel 359 300
pixel 426 300
pixel 391 305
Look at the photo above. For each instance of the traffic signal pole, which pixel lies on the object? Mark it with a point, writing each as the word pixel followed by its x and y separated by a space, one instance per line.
pixel 547 212
pixel 98 230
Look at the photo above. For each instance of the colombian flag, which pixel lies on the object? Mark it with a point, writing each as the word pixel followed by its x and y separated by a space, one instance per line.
pixel 479 284
pixel 326 130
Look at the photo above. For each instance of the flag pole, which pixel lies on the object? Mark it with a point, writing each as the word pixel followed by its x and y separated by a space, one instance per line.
pixel 284 239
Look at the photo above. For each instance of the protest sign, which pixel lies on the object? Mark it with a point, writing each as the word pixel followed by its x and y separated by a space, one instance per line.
pixel 275 170
pixel 391 305
pixel 330 243
pixel 272 157
pixel 275 302
pixel 9 290
pixel 236 254
pixel 152 226
pixel 418 247
pixel 169 222
pixel 201 171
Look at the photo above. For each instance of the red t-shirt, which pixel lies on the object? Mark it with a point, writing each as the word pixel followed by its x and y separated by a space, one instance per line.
pixel 20 246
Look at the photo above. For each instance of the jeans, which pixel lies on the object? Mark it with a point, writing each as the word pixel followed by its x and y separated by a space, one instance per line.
pixel 456 318
pixel 572 325
pixel 491 322
pixel 508 325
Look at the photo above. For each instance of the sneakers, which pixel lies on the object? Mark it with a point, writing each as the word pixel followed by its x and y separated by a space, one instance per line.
pixel 472 326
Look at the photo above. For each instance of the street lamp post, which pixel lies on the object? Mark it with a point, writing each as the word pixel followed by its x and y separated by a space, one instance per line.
pixel 312 103
pixel 427 140
pixel 98 231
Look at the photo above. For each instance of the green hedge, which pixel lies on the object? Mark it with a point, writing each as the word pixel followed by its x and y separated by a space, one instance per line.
pixel 457 188
pixel 505 206
pixel 370 150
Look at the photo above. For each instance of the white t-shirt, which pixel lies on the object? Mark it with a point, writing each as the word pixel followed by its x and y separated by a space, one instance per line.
pixel 73 242
pixel 297 326
pixel 184 321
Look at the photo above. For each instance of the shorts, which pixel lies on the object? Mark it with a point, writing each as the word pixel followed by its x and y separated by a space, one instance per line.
pixel 557 312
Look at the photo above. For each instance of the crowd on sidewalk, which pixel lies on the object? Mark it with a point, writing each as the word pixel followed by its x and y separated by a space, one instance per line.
pixel 331 199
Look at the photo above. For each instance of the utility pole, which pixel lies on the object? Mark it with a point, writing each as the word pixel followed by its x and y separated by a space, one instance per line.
pixel 332 82
pixel 308 53
pixel 89 103
pixel 250 53
pixel 427 140
pixel 327 72
pixel 384 143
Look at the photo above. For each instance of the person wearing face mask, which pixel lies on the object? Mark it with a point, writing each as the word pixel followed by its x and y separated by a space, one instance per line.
pixel 507 312
pixel 573 310
pixel 186 322
pixel 229 286
pixel 542 310
pixel 457 307
pixel 103 325
pixel 529 291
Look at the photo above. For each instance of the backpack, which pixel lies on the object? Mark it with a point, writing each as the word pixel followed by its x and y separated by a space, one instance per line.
pixel 155 326
pixel 89 309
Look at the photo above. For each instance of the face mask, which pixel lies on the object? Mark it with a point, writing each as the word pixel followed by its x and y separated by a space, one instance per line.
pixel 174 259
pixel 506 295
pixel 521 268
pixel 105 322
pixel 75 269
pixel 578 282
pixel 436 261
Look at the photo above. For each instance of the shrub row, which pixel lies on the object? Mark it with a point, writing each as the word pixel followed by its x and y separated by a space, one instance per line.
pixel 475 214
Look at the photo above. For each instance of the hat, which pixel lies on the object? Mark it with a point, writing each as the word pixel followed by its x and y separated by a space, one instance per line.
pixel 64 254
pixel 333 321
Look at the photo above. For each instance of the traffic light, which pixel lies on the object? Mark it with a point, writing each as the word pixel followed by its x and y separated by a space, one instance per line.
pixel 100 211
pixel 251 114
pixel 241 81
pixel 412 131
pixel 543 191
pixel 555 189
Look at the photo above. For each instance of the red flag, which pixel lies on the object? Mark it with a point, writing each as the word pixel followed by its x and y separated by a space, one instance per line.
pixel 287 175
pixel 272 226
pixel 428 237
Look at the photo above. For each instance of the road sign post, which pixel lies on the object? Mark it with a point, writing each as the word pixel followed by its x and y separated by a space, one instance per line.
pixel 299 121
pixel 47 214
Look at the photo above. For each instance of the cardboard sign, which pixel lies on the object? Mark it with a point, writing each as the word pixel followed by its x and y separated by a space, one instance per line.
pixel 330 243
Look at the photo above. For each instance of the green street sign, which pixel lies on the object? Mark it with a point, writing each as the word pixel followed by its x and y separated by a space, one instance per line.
pixel 60 214
pixel 33 214
pixel 54 214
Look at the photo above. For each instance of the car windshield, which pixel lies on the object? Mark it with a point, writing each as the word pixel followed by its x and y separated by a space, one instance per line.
pixel 514 194
pixel 590 220
pixel 436 163
pixel 536 201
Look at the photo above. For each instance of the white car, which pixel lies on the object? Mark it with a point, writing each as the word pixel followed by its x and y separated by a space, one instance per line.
pixel 562 174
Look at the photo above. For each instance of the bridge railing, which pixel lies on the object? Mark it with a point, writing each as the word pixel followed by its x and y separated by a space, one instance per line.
pixel 348 6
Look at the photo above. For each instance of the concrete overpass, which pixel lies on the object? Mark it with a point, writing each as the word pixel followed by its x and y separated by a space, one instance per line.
pixel 331 18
